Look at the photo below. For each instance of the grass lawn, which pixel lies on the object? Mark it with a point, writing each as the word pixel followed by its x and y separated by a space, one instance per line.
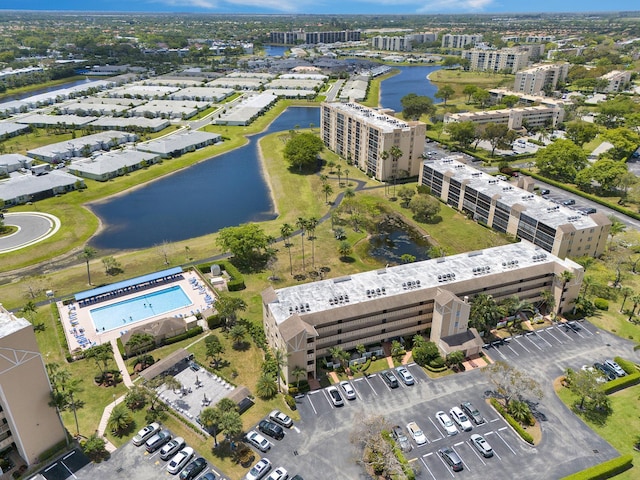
pixel 621 428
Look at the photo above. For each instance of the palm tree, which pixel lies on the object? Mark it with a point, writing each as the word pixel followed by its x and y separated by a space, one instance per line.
pixel 485 313
pixel 230 423
pixel 228 308
pixel 616 227
pixel 30 309
pixel 346 174
pixel 546 299
pixel 626 292
pixel 280 357
pixel 237 334
pixel 210 418
pixel 301 223
pixel 565 277
pixel 119 420
pixel 587 282
pixel 327 190
pixel 383 156
pixel 520 411
pixel 312 224
pixel 286 230
pixel 338 172
pixel 395 153
pixel 266 387
pixel 636 301
pixel 87 254
pixel 298 372
pixel 339 354
pixel 344 249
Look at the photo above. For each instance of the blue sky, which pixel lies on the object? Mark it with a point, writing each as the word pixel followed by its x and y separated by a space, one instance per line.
pixel 325 6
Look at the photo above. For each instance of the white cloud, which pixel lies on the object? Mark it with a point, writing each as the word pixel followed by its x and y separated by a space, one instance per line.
pixel 455 6
pixel 276 5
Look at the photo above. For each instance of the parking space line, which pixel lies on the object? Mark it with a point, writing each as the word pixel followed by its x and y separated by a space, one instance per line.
pixel 447 467
pixel 552 335
pixel 151 455
pixel 504 441
pixel 68 469
pixel 427 467
pixel 366 378
pixel 465 463
pixel 587 330
pixel 326 396
pixel 532 342
pixel 520 343
pixel 563 333
pixel 509 346
pixel 541 338
pixel 311 403
pixel 436 427
pixel 473 449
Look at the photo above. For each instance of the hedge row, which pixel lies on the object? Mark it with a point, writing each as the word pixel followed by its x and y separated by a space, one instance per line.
pixel 621 383
pixel 626 365
pixel 604 470
pixel 516 426
pixel 236 281
pixel 594 198
pixel 188 334
pixel 435 369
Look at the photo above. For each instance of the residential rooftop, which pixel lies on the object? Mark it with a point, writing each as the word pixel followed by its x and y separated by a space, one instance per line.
pixel 9 323
pixel 363 287
pixel 384 122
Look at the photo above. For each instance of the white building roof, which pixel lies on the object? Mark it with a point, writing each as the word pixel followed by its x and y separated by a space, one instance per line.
pixel 382 121
pixel 155 124
pixel 178 142
pixel 110 162
pixel 69 120
pixel 9 128
pixel 19 186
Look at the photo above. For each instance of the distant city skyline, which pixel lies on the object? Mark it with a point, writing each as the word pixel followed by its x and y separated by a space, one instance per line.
pixel 322 7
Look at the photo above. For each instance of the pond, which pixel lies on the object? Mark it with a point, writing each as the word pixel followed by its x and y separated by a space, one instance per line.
pixel 394 239
pixel 275 50
pixel 32 93
pixel 222 191
pixel 409 80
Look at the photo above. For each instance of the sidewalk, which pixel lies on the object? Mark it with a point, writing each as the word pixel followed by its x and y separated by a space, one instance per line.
pixel 126 378
pixel 102 426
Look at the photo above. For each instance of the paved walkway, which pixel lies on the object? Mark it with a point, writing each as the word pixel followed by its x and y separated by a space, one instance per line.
pixel 102 426
pixel 126 378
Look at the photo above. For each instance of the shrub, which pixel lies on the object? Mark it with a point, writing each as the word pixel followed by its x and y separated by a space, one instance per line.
pixel 188 334
pixel 236 281
pixel 607 469
pixel 621 383
pixel 601 304
pixel 215 321
pixel 511 421
pixel 291 402
pixel 626 365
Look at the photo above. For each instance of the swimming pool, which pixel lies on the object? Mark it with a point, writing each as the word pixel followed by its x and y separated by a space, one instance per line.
pixel 127 312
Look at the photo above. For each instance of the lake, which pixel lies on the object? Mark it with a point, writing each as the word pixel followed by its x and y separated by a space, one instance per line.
pixel 219 192
pixel 32 93
pixel 275 50
pixel 409 80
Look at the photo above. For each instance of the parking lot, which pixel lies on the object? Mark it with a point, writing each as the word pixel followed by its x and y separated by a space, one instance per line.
pixel 319 446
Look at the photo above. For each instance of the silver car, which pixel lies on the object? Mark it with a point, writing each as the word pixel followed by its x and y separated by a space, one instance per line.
pixel 405 375
pixel 348 390
pixel 146 433
pixel 615 367
pixel 447 423
pixel 481 445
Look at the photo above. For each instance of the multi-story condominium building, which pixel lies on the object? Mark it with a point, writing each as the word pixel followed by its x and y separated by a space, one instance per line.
pixel 529 38
pixel 362 134
pixel 536 50
pixel 497 94
pixel 368 308
pixel 504 60
pixel 404 43
pixel 311 38
pixel 451 40
pixel 26 419
pixel 617 80
pixel 534 80
pixel 514 118
pixel 518 212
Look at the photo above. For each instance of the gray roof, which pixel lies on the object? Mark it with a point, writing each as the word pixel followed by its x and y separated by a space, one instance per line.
pixel 15 160
pixel 23 185
pixel 179 141
pixel 110 162
pixel 140 122
pixel 69 120
pixel 77 144
pixel 325 295
pixel 8 128
pixel 528 203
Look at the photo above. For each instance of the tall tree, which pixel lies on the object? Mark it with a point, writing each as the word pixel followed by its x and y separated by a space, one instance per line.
pixel 565 277
pixel 469 90
pixel 561 160
pixel 87 254
pixel 228 308
pixel 246 242
pixel 395 154
pixel 302 150
pixel 463 133
pixel 485 313
pixel 286 230
pixel 214 349
pixel 327 190
pixel 580 132
pixel 414 106
pixel 511 383
pixel 298 372
pixel 445 93
pixel 312 224
pixel 301 223
pixel 280 359
pixel 496 134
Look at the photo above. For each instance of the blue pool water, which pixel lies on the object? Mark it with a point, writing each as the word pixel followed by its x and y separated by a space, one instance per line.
pixel 124 314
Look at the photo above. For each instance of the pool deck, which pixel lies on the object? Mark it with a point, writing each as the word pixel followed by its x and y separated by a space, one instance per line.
pixel 81 332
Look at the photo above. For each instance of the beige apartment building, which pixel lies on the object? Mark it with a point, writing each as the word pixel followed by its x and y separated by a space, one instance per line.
pixel 533 81
pixel 514 118
pixel 27 421
pixel 617 80
pixel 454 40
pixel 509 209
pixel 372 307
pixel 362 134
pixel 504 60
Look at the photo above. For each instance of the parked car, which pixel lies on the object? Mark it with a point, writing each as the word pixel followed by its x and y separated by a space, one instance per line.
pixel 297 477
pixel 171 448
pixel 179 460
pixel 279 417
pixel 544 191
pixel 569 202
pixel 348 390
pixel 259 470
pixel 146 433
pixel 208 476
pixel 390 378
pixel 446 423
pixel 401 439
pixel 278 474
pixel 258 441
pixel 193 469
pixel 335 397
pixel 481 445
pixel 461 419
pixel 405 375
pixel 158 440
pixel 272 429
pixel 472 412
pixel 606 371
pixel 416 433
pixel 451 458
pixel 615 367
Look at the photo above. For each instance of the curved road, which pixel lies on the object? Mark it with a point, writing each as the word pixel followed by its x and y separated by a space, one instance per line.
pixel 33 227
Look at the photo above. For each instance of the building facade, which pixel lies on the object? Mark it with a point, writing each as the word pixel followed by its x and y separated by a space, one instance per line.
pixel 509 209
pixel 368 308
pixel 27 422
pixel 311 38
pixel 514 118
pixel 617 80
pixel 504 60
pixel 402 43
pixel 451 40
pixel 534 80
pixel 367 137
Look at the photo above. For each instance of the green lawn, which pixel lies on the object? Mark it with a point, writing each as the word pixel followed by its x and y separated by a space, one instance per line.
pixel 621 428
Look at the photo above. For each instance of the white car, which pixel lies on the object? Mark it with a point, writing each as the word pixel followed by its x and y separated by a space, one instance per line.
pixel 146 433
pixel 481 445
pixel 615 367
pixel 258 441
pixel 171 448
pixel 278 474
pixel 461 419
pixel 279 417
pixel 259 470
pixel 348 390
pixel 179 460
pixel 417 434
pixel 335 397
pixel 447 423
pixel 405 375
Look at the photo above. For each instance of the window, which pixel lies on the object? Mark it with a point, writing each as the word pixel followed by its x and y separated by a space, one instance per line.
pixel 309 352
pixel 310 362
pixel 310 340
